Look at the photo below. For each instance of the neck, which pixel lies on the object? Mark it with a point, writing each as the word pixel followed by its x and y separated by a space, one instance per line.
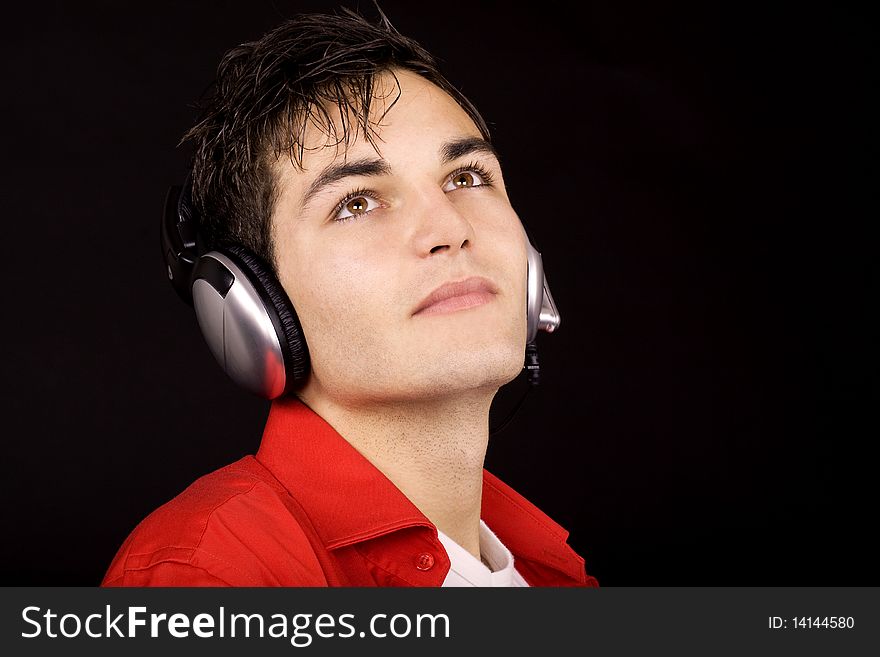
pixel 433 451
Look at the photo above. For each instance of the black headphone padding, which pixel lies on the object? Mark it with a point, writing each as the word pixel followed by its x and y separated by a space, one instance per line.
pixel 296 353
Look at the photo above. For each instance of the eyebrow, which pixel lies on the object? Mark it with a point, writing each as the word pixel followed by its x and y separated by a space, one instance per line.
pixel 456 148
pixel 449 151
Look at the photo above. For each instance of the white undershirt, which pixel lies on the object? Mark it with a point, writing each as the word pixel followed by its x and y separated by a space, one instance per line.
pixel 467 570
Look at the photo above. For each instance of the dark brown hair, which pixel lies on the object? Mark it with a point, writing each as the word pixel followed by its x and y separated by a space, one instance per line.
pixel 266 93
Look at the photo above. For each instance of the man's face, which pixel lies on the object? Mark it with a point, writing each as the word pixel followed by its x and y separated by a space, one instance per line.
pixel 357 264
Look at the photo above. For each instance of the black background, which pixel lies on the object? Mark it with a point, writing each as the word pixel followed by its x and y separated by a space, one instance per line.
pixel 701 183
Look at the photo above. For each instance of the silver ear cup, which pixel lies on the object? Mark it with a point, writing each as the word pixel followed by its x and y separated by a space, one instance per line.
pixel 549 319
pixel 541 310
pixel 237 327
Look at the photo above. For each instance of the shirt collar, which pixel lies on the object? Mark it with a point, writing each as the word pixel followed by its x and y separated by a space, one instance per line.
pixel 498 573
pixel 349 500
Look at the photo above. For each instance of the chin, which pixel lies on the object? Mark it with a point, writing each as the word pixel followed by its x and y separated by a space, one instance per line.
pixel 488 369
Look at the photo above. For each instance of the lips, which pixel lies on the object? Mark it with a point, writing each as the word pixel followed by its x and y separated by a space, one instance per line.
pixel 457 295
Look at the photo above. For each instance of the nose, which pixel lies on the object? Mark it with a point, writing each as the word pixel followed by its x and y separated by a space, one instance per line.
pixel 442 228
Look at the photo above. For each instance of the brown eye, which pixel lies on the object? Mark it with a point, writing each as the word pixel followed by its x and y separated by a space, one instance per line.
pixel 357 205
pixel 464 179
pixel 472 176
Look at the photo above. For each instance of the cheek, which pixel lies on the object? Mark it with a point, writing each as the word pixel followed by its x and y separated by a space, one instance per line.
pixel 511 249
pixel 336 299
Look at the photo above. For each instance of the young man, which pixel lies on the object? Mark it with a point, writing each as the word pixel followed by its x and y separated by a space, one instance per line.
pixel 366 185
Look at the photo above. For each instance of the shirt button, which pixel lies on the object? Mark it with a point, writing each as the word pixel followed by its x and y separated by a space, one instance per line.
pixel 425 561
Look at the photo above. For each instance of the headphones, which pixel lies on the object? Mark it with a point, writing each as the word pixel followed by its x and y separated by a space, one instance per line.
pixel 248 320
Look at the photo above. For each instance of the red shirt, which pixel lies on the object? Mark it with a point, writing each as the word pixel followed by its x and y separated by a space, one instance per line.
pixel 310 510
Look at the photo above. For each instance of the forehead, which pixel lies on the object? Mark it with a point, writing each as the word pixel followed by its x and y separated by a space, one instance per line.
pixel 410 118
